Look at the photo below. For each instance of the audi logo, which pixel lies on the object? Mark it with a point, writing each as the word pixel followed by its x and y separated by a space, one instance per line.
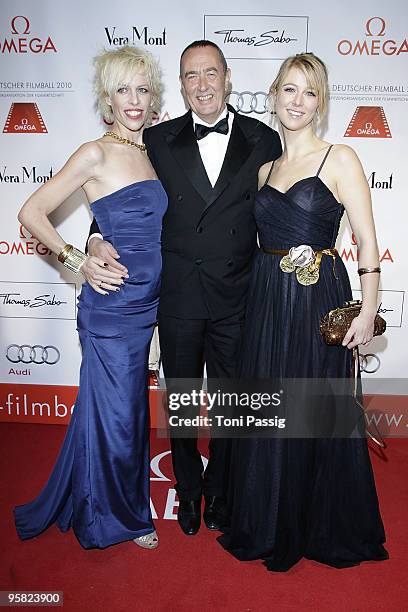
pixel 33 354
pixel 247 102
pixel 369 363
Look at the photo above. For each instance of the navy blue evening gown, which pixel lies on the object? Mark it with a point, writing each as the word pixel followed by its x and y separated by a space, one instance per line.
pixel 100 483
pixel 294 498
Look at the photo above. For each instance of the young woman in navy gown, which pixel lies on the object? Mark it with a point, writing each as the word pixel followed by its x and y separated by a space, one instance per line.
pixel 100 483
pixel 313 498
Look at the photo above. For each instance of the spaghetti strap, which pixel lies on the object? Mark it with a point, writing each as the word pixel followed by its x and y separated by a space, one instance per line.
pixel 269 173
pixel 324 159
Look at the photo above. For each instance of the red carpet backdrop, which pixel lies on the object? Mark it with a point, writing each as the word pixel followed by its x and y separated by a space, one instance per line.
pixel 187 574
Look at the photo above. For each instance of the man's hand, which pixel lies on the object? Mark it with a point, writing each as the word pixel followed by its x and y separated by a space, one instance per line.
pixel 101 269
pixel 104 250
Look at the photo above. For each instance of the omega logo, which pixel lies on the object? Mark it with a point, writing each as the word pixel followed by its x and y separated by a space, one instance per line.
pixel 368 26
pixel 155 466
pixel 21 40
pixel 375 30
pixel 14 30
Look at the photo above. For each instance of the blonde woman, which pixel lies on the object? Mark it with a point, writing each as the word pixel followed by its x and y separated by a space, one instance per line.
pixel 313 498
pixel 100 483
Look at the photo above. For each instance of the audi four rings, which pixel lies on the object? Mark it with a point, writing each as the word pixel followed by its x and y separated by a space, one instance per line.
pixel 33 354
pixel 369 363
pixel 247 102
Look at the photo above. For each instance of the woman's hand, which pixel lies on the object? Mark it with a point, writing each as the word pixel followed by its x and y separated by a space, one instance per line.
pixel 361 330
pixel 98 275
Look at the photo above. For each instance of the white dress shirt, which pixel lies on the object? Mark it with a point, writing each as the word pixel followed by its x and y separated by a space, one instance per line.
pixel 214 146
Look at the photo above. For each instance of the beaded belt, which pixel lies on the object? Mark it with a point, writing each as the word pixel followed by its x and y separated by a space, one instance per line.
pixel 303 261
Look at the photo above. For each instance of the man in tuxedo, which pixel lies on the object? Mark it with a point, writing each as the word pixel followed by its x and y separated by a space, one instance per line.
pixel 207 161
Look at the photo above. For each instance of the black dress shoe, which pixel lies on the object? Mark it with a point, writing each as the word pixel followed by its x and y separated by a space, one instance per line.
pixel 189 516
pixel 215 512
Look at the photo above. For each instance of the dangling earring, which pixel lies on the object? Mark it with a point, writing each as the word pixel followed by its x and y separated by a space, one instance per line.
pixel 270 106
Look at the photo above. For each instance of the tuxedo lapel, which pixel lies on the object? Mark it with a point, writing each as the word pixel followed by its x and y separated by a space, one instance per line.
pixel 183 145
pixel 238 151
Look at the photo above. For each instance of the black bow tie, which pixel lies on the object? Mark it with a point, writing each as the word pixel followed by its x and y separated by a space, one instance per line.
pixel 221 127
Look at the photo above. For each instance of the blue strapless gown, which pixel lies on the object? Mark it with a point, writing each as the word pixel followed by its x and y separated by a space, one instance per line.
pixel 294 498
pixel 100 483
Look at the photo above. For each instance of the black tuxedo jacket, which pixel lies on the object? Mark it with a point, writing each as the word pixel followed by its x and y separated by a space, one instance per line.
pixel 209 234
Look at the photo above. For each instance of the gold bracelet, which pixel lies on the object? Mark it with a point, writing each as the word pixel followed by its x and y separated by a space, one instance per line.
pixel 64 253
pixel 72 258
pixel 362 271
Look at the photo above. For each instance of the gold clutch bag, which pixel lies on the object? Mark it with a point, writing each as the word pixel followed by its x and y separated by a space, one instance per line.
pixel 335 324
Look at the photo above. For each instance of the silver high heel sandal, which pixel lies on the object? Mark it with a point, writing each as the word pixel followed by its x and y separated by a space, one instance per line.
pixel 150 540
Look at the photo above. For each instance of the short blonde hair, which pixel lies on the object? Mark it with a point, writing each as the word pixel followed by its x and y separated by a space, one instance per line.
pixel 112 69
pixel 315 72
